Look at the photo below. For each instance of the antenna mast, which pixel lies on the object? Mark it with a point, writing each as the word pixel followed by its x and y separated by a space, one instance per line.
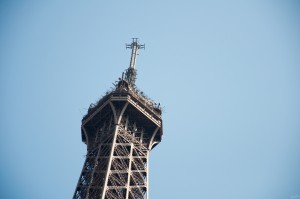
pixel 130 74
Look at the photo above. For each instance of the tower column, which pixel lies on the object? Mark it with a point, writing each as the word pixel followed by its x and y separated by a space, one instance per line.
pixel 129 171
pixel 117 123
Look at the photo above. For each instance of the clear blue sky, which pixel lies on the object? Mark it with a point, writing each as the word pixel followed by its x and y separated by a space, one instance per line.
pixel 226 72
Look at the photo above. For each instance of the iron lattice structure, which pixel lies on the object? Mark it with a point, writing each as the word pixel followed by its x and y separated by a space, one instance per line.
pixel 119 131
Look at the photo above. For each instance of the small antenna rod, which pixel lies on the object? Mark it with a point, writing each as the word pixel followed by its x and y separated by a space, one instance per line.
pixel 134 46
pixel 130 75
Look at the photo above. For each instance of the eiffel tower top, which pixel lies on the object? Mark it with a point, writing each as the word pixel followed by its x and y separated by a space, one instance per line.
pixel 126 85
pixel 130 74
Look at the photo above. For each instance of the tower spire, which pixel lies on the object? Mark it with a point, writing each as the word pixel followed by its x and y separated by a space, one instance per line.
pixel 130 74
pixel 119 130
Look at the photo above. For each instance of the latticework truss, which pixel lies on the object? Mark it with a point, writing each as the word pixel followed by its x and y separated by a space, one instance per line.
pixel 119 137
